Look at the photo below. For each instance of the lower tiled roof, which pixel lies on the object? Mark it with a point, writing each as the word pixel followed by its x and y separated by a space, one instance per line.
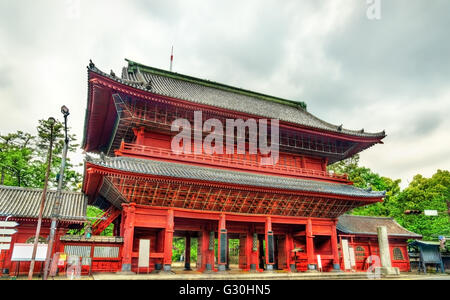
pixel 368 225
pixel 177 170
pixel 92 239
pixel 25 203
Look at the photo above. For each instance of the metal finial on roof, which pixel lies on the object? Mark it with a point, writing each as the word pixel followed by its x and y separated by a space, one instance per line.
pixel 340 127
pixel 91 64
pixel 112 73
pixel 362 130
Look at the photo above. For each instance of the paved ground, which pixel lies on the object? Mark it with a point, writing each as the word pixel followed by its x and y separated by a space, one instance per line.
pixel 235 275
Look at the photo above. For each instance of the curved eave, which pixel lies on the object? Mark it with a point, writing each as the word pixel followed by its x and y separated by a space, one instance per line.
pixel 406 236
pixel 369 197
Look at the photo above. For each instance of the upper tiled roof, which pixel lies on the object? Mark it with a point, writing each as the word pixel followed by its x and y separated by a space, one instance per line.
pixel 177 170
pixel 368 225
pixel 25 203
pixel 209 93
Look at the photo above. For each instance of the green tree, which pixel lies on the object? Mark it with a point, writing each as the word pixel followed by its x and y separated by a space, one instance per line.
pixel 23 158
pixel 15 155
pixel 364 178
pixel 424 194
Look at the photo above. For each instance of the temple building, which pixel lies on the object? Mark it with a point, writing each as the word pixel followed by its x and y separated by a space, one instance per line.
pixel 284 214
pixel 361 233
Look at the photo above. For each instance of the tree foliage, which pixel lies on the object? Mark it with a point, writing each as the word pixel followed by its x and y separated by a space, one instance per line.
pixel 421 194
pixel 23 158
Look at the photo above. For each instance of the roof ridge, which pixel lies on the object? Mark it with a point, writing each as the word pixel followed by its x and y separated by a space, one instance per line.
pixel 12 187
pixel 372 217
pixel 214 84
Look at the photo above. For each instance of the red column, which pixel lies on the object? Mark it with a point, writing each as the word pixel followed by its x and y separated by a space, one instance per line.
pixel 129 211
pixel 168 241
pixel 222 247
pixel 289 246
pixel 252 251
pixel 310 246
pixel 270 247
pixel 334 248
pixel 207 252
pixel 187 253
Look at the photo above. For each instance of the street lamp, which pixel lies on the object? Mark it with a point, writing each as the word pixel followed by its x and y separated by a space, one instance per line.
pixel 55 211
pixel 51 122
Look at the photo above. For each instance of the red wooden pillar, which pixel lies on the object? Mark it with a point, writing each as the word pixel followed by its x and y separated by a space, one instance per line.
pixel 289 246
pixel 334 248
pixel 223 242
pixel 168 241
pixel 270 246
pixel 207 250
pixel 253 254
pixel 129 211
pixel 310 246
pixel 187 253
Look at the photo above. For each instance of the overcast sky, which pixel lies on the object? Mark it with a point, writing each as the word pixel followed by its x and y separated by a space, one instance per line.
pixel 390 73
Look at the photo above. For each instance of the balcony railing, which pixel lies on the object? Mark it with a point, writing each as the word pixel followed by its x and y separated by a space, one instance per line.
pixel 229 160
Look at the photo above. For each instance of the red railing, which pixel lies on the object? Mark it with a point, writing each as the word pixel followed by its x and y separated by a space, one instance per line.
pixel 229 160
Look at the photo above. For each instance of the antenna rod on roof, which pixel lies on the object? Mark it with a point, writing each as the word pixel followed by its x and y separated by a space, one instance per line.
pixel 171 60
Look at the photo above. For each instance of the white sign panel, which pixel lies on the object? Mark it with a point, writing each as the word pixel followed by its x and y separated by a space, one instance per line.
pixel 8 224
pixel 144 254
pixel 23 252
pixel 351 251
pixel 432 213
pixel 5 239
pixel 346 254
pixel 319 262
pixel 4 246
pixel 7 231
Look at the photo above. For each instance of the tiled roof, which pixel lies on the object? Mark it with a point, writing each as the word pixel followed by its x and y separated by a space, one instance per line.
pixel 368 225
pixel 209 93
pixel 177 170
pixel 92 239
pixel 25 203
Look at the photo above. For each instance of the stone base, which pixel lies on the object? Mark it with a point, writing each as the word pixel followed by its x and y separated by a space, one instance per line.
pixel 269 268
pixel 167 269
pixel 388 271
pixel 312 269
pixel 187 267
pixel 208 269
pixel 222 268
pixel 126 270
pixel 336 268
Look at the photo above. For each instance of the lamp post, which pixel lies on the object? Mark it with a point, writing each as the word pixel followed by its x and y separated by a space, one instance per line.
pixel 56 206
pixel 52 122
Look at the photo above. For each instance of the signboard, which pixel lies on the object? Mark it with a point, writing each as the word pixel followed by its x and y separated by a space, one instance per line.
pixel 4 246
pixel 23 252
pixel 351 251
pixel 7 231
pixel 144 253
pixel 8 224
pixel 431 213
pixel 319 262
pixel 346 254
pixel 5 239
